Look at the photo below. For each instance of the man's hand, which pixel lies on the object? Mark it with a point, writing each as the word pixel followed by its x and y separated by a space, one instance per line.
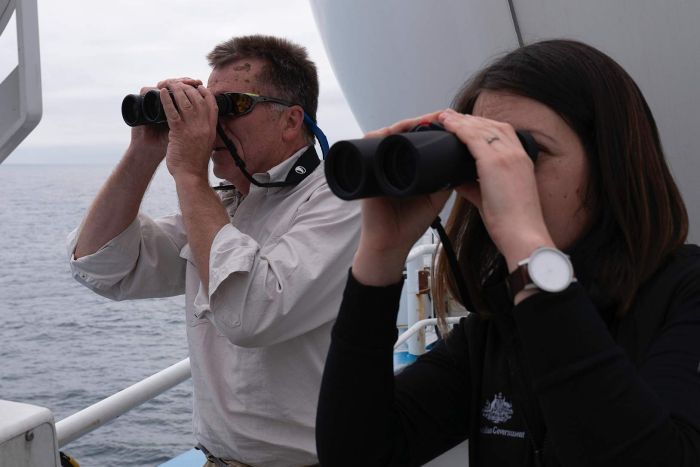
pixel 192 114
pixel 151 141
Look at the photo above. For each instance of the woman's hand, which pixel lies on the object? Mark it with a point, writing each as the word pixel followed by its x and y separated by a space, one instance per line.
pixel 390 226
pixel 506 191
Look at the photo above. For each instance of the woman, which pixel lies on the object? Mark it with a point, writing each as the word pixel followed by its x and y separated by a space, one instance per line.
pixel 598 369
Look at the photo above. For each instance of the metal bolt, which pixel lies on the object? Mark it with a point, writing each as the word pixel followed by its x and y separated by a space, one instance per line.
pixel 29 435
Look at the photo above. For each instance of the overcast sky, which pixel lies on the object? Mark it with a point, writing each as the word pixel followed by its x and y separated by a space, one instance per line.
pixel 95 52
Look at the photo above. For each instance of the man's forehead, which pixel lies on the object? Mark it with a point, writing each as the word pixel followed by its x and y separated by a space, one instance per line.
pixel 236 76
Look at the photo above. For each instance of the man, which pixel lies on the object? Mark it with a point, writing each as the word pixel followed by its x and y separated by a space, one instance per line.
pixel 262 267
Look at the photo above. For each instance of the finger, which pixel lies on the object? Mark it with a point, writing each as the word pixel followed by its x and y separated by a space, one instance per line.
pixel 166 83
pixel 482 136
pixel 183 102
pixel 171 112
pixel 487 128
pixel 466 128
pixel 194 97
pixel 143 91
pixel 170 81
pixel 377 133
pixel 405 125
pixel 408 124
pixel 211 103
pixel 191 81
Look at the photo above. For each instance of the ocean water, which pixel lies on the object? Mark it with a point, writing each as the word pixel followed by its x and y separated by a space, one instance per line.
pixel 64 347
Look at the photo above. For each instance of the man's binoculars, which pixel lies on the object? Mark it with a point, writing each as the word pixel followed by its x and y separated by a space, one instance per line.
pixel 147 109
pixel 425 160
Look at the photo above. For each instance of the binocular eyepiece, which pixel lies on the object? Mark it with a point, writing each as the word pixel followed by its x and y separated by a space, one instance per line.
pixel 147 109
pixel 424 160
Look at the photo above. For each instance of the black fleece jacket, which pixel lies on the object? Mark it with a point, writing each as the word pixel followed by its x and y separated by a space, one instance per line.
pixel 548 375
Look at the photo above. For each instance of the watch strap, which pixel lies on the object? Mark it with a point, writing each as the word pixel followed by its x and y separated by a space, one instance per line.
pixel 518 280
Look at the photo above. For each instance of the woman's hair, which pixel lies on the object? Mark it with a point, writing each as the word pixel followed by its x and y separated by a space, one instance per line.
pixel 637 214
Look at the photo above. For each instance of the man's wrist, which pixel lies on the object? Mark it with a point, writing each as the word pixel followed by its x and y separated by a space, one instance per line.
pixel 145 155
pixel 191 179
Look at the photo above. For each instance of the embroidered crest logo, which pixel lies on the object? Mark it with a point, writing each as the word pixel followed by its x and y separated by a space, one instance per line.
pixel 300 170
pixel 498 410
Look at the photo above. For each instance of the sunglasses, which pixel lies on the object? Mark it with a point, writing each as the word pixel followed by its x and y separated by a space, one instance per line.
pixel 236 104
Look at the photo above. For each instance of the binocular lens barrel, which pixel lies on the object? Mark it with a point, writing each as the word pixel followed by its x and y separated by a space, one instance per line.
pixel 422 162
pixel 147 109
pixel 398 165
pixel 350 173
pixel 143 109
pixel 131 110
pixel 405 164
pixel 153 110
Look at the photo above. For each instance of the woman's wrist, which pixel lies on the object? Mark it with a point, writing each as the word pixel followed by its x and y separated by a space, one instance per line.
pixel 523 248
pixel 378 268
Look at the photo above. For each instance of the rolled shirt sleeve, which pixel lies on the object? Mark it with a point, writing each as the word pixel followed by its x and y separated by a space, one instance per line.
pixel 141 262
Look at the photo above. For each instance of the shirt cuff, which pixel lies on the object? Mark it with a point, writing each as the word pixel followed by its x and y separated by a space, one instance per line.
pixel 111 262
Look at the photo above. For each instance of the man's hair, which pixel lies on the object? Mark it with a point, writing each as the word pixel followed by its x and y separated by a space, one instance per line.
pixel 637 213
pixel 288 71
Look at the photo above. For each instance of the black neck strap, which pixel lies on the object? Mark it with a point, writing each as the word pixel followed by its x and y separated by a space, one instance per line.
pixel 454 264
pixel 304 165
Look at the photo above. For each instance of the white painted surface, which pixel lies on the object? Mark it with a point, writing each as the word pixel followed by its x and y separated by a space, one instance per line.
pixel 401 58
pixel 20 91
pixel 27 436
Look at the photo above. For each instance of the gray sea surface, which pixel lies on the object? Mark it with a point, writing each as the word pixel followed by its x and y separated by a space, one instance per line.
pixel 64 347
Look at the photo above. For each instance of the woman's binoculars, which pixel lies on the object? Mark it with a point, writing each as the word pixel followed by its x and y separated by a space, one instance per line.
pixel 425 160
pixel 147 109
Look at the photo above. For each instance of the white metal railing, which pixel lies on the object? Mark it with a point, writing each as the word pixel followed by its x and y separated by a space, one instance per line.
pixel 418 303
pixel 420 325
pixel 74 426
pixel 421 250
pixel 90 418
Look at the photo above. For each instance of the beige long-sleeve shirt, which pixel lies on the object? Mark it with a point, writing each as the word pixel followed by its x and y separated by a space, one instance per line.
pixel 258 339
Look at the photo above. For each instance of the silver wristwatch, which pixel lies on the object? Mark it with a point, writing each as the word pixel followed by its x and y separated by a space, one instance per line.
pixel 547 269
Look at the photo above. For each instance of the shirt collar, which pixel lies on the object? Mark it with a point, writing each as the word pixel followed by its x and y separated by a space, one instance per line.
pixel 278 173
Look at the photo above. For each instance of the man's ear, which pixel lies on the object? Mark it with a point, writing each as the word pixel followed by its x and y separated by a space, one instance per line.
pixel 292 122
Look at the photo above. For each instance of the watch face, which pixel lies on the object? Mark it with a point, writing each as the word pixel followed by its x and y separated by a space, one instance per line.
pixel 550 270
